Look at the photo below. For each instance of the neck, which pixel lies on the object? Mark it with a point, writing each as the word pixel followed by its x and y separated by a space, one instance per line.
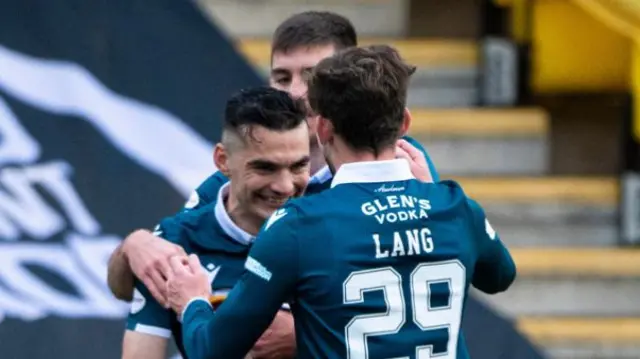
pixel 317 160
pixel 242 218
pixel 342 154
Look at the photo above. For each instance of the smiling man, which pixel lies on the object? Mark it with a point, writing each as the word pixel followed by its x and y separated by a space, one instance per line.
pixel 298 45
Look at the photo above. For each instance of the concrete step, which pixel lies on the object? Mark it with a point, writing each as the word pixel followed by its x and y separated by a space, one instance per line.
pixel 446 76
pixel 370 17
pixel 588 351
pixel 443 55
pixel 578 262
pixel 568 296
pixel 572 282
pixel 510 141
pixel 585 337
pixel 549 211
pixel 527 191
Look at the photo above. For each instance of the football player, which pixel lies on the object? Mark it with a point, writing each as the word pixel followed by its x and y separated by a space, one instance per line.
pixel 377 266
pixel 298 44
pixel 265 151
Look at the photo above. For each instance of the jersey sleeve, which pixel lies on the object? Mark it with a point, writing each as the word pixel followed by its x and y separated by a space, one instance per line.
pixel 419 146
pixel 147 315
pixel 271 273
pixel 495 270
pixel 206 192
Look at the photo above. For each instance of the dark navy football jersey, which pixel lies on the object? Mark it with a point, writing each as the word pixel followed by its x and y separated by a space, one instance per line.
pixel 379 266
pixel 222 249
pixel 207 191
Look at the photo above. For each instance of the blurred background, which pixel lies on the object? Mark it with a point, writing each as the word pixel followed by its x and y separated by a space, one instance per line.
pixel 109 109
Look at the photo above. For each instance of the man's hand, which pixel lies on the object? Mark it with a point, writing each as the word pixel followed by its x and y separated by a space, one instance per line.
pixel 187 280
pixel 278 341
pixel 416 159
pixel 148 257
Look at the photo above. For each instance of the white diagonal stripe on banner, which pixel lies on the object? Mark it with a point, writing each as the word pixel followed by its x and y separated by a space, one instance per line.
pixel 149 135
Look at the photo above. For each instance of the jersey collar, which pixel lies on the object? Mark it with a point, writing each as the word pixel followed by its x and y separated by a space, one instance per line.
pixel 373 172
pixel 323 175
pixel 227 225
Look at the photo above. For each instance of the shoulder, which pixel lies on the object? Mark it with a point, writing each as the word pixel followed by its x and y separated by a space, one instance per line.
pixel 181 227
pixel 207 191
pixel 447 190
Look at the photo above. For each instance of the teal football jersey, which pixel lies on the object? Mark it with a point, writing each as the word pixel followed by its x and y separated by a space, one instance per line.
pixel 379 266
pixel 222 249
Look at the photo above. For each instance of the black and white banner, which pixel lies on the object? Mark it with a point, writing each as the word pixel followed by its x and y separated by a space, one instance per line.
pixel 108 111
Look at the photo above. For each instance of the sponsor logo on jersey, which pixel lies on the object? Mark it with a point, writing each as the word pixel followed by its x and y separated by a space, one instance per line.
pixel 138 302
pixel 194 200
pixel 257 268
pixel 212 272
pixel 490 231
pixel 276 216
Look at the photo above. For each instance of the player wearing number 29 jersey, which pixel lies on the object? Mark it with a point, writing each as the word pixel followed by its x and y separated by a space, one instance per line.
pixel 378 266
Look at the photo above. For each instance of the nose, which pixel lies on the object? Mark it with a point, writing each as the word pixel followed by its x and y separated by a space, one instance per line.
pixel 283 185
pixel 298 88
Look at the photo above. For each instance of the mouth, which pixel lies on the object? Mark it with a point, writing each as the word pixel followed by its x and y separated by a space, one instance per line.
pixel 273 201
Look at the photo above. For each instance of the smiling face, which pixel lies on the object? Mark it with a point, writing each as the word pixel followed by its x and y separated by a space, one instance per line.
pixel 266 169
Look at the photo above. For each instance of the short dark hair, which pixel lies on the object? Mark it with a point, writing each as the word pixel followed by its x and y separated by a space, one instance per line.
pixel 313 28
pixel 362 91
pixel 263 106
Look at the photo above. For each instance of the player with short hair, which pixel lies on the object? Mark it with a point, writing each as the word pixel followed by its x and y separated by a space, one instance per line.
pixel 265 152
pixel 298 44
pixel 378 266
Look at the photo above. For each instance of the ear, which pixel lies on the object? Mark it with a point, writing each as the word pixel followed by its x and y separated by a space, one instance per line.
pixel 406 122
pixel 325 130
pixel 221 159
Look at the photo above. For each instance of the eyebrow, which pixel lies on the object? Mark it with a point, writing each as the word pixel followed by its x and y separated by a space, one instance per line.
pixel 266 163
pixel 280 71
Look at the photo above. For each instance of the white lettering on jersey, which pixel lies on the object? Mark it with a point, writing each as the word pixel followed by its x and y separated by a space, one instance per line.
pixel 257 268
pixel 396 208
pixel 408 243
pixel 276 216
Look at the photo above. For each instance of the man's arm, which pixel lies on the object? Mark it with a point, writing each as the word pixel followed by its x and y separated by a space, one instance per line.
pixel 270 277
pixel 146 256
pixel 137 345
pixel 279 340
pixel 495 269
pixel 119 275
pixel 148 327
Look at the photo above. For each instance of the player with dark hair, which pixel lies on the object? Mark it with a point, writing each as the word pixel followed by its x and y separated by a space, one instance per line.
pixel 377 266
pixel 265 153
pixel 298 44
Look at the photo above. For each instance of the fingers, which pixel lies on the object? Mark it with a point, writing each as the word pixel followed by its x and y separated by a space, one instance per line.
pixel 178 265
pixel 194 264
pixel 409 149
pixel 401 153
pixel 155 287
